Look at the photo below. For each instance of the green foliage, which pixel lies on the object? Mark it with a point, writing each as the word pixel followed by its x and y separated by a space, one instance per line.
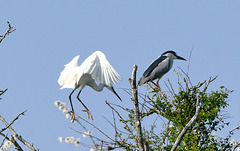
pixel 178 111
pixel 181 108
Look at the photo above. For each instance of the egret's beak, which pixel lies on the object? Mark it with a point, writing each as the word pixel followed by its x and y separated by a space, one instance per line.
pixel 115 93
pixel 180 58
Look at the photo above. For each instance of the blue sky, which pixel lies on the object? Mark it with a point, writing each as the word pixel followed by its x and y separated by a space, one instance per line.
pixel 50 33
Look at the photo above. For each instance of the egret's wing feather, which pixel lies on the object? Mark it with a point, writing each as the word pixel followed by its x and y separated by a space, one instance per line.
pixel 100 69
pixel 68 76
pixel 153 65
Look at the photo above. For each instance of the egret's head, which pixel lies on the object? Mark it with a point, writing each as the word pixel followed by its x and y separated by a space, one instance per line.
pixel 173 55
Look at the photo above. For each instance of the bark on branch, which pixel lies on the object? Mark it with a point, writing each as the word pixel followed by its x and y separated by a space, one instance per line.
pixel 132 82
pixel 189 124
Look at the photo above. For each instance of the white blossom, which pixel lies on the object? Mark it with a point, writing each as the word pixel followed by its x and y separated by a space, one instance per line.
pixel 77 141
pixel 7 145
pixel 68 115
pixel 60 139
pixel 92 149
pixel 69 140
pixel 88 133
pixel 62 106
pixel 57 103
pixel 65 110
pixel 232 142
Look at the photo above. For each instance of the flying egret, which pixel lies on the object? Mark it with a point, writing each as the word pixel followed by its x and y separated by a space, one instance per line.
pixel 159 67
pixel 94 69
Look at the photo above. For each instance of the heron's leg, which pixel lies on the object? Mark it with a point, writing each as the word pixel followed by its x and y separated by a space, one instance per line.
pixel 87 110
pixel 158 82
pixel 73 115
pixel 155 84
pixel 158 87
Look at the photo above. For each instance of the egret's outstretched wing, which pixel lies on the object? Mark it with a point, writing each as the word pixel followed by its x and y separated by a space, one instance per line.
pixel 68 77
pixel 100 69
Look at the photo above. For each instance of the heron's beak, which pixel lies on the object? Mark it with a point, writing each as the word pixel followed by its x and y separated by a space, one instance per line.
pixel 180 58
pixel 115 93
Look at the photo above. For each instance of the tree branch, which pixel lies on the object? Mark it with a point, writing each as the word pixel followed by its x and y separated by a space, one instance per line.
pixel 238 127
pixel 10 30
pixel 132 82
pixel 30 146
pixel 2 91
pixel 189 124
pixel 7 126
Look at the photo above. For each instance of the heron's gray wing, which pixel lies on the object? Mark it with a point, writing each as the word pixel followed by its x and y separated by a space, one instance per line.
pixel 153 65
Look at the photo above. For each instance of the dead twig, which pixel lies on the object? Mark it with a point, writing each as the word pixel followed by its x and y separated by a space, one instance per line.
pixel 7 126
pixel 10 30
pixel 2 91
pixel 209 81
pixel 238 127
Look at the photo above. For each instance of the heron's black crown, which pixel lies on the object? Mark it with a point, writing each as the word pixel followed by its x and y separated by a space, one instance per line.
pixel 170 51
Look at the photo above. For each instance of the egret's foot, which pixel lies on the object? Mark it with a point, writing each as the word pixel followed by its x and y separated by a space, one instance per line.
pixel 72 116
pixel 89 114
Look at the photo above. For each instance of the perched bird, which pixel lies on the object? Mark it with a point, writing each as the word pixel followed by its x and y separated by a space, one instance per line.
pixel 159 67
pixel 95 69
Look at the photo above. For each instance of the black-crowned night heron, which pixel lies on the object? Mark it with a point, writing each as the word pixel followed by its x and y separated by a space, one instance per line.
pixel 159 67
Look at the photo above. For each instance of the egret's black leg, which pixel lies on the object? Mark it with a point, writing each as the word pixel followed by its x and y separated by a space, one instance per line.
pixel 87 110
pixel 73 115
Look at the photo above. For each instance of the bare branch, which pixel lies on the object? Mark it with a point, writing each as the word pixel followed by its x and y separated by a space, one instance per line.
pixel 238 127
pixel 94 127
pixel 7 126
pixel 2 91
pixel 3 140
pixel 189 124
pixel 132 82
pixel 189 60
pixel 10 30
pixel 30 146
pixel 209 81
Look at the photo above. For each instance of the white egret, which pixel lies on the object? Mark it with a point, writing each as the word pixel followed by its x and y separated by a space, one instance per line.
pixel 94 69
